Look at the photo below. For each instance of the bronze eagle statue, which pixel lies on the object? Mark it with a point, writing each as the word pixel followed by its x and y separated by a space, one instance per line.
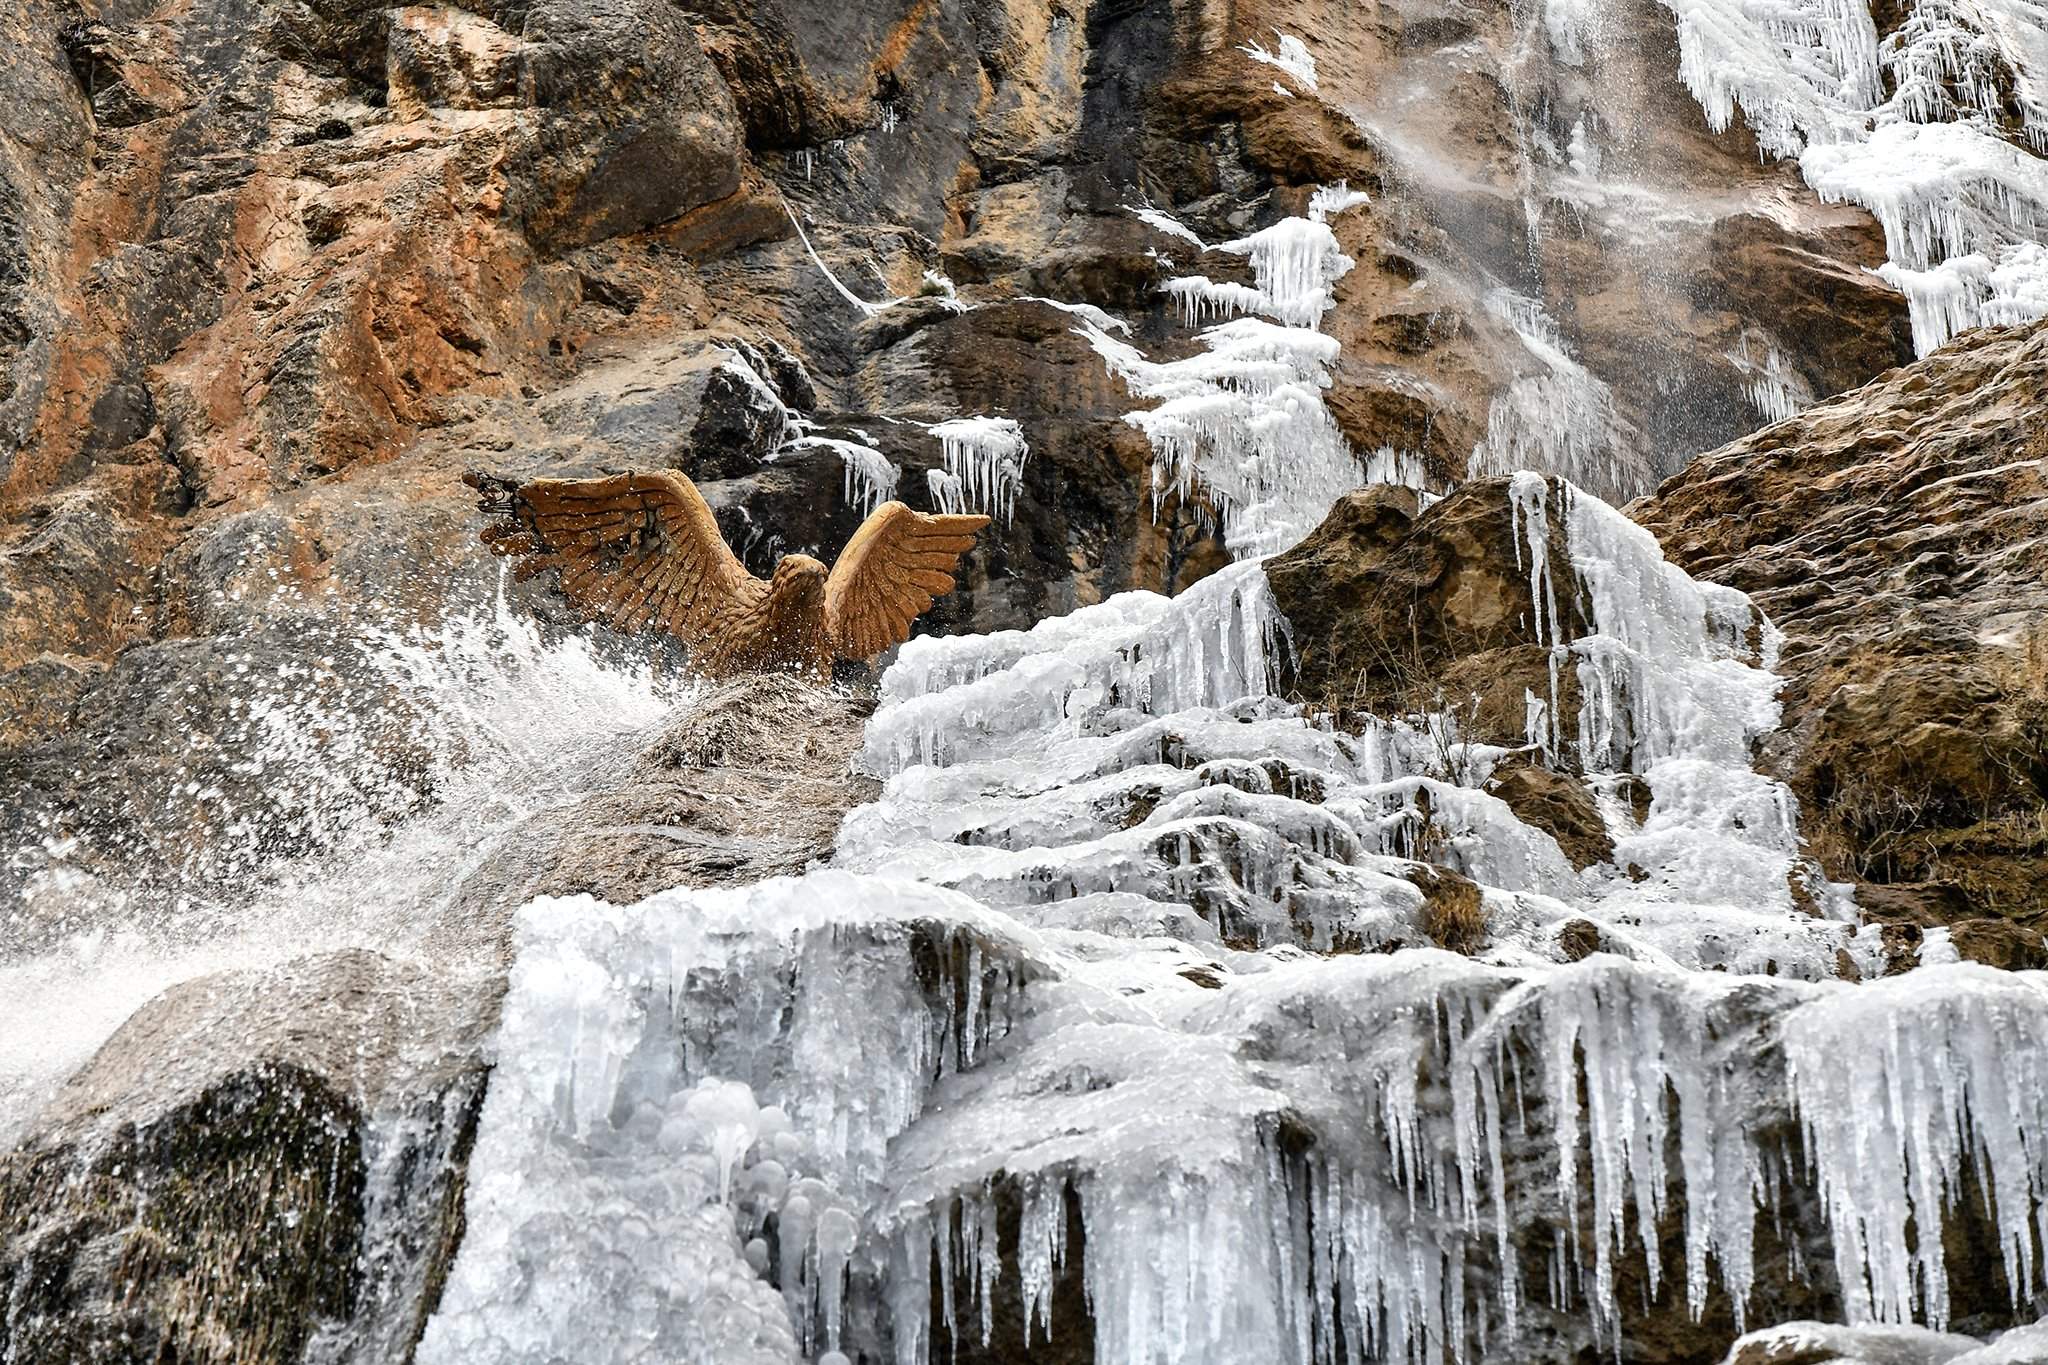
pixel 640 551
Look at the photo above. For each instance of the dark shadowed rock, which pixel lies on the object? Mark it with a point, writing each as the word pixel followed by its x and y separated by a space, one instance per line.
pixel 635 127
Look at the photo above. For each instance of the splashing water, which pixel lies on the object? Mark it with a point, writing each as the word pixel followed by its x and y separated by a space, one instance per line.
pixel 500 721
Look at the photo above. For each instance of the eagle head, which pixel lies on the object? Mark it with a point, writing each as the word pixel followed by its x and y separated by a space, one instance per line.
pixel 798 576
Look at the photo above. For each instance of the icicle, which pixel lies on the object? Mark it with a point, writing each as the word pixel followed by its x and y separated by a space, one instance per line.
pixel 985 456
pixel 1928 160
pixel 1900 1084
pixel 945 491
pixel 867 309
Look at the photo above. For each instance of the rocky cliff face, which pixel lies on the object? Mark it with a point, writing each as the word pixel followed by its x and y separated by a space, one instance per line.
pixel 282 757
pixel 1892 535
pixel 282 273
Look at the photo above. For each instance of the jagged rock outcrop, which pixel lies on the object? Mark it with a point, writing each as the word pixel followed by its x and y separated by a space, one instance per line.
pixel 1396 610
pixel 1895 535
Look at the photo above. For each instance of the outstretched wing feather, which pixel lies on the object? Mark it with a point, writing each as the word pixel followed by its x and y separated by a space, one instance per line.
pixel 634 550
pixel 898 563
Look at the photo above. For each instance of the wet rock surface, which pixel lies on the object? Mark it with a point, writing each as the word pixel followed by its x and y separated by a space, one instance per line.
pixel 257 1161
pixel 270 1164
pixel 752 783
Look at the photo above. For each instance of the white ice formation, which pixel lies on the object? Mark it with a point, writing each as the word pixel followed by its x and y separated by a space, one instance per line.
pixel 1073 1010
pixel 1775 389
pixel 1940 130
pixel 839 286
pixel 1245 420
pixel 945 492
pixel 1293 57
pixel 985 460
pixel 870 477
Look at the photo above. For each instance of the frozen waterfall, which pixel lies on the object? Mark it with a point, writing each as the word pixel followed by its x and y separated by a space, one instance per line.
pixel 1070 1009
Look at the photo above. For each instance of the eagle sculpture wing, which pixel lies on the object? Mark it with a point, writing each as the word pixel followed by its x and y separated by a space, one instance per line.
pixel 635 550
pixel 898 563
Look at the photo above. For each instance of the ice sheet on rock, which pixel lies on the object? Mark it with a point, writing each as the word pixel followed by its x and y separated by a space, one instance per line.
pixel 1902 1083
pixel 1675 686
pixel 2020 1346
pixel 957 697
pixel 1425 819
pixel 1161 221
pixel 1558 419
pixel 1674 668
pixel 765 398
pixel 985 457
pixel 1154 1130
pixel 1872 1345
pixel 1293 57
pixel 1801 72
pixel 631 1145
pixel 1088 312
pixel 866 308
pixel 870 476
pixel 1245 421
pixel 1296 262
pixel 1939 189
pixel 1973 290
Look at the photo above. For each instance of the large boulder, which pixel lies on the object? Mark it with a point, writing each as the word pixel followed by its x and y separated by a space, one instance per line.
pixel 1398 611
pixel 256 1159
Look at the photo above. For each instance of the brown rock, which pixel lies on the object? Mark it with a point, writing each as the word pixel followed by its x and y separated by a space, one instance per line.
pixel 635 126
pixel 1999 943
pixel 1398 614
pixel 1560 806
pixel 1896 535
pixel 449 58
pixel 1578 939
